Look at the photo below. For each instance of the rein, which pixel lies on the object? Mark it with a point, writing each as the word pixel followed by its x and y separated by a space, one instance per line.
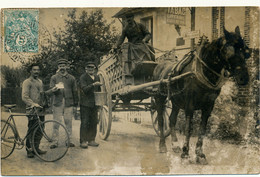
pixel 197 65
pixel 206 64
pixel 203 79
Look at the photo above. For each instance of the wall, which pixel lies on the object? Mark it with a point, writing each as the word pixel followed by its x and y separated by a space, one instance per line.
pixel 247 18
pixel 235 16
pixel 203 21
pixel 255 27
pixel 164 35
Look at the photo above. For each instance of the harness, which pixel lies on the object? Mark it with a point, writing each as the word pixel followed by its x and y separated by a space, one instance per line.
pixel 176 70
pixel 197 68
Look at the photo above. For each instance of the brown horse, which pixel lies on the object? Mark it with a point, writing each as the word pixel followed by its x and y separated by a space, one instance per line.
pixel 210 64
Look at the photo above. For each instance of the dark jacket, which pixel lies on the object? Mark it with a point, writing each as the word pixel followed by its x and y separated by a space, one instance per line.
pixel 134 34
pixel 87 90
pixel 69 92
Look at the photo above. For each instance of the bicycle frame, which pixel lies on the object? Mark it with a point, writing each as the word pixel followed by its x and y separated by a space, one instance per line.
pixel 18 139
pixel 12 139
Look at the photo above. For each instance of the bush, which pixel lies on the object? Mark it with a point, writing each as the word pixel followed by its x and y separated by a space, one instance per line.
pixel 227 132
pixel 225 118
pixel 11 77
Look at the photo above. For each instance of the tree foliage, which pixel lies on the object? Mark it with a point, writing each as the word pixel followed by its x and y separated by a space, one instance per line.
pixel 11 77
pixel 84 38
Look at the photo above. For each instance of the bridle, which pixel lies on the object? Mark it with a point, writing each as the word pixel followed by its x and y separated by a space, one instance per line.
pixel 203 79
pixel 204 64
pixel 227 69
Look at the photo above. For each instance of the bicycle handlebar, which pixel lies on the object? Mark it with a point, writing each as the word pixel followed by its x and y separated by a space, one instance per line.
pixel 34 107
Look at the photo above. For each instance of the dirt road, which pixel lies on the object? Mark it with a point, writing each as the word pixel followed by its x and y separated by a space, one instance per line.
pixel 132 149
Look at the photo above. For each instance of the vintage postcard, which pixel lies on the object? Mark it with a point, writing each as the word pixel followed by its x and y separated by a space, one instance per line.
pixel 168 90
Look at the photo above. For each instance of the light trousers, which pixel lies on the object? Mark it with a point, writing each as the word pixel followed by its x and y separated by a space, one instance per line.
pixel 65 113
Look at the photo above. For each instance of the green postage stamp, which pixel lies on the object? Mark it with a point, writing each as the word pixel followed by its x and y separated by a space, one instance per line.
pixel 21 30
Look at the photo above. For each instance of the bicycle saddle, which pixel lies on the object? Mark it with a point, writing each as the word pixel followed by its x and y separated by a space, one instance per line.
pixel 10 106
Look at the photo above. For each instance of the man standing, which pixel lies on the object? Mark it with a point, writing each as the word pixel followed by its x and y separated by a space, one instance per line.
pixel 64 98
pixel 89 82
pixel 31 90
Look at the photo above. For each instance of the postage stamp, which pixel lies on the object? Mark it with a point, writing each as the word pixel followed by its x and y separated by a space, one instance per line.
pixel 21 30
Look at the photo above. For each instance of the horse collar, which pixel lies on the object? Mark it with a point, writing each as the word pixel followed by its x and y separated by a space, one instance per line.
pixel 201 61
pixel 198 71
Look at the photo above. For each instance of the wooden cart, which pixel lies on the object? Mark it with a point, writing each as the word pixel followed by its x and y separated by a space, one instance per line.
pixel 119 82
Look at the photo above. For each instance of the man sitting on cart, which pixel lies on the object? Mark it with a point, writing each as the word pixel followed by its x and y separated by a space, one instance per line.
pixel 138 37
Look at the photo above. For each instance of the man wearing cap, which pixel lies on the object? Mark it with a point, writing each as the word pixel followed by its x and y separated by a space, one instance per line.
pixel 138 37
pixel 31 96
pixel 65 98
pixel 89 82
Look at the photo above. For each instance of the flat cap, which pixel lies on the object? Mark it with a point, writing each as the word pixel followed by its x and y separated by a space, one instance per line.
pixel 91 63
pixel 62 61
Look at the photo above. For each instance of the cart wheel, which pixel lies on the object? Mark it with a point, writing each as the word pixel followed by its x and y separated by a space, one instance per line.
pixel 105 111
pixel 166 115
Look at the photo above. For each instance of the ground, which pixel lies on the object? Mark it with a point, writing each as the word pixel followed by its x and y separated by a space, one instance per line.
pixel 132 149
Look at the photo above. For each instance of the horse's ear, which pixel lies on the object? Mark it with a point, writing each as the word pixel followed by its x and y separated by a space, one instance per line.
pixel 237 31
pixel 226 33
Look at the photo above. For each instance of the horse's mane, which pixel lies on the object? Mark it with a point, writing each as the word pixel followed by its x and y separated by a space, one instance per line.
pixel 210 51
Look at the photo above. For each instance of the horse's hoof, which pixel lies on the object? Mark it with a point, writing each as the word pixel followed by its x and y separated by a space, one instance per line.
pixel 201 160
pixel 176 149
pixel 163 149
pixel 185 161
pixel 184 156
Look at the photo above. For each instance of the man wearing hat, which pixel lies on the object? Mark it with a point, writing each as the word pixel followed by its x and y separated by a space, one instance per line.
pixel 65 98
pixel 138 37
pixel 89 83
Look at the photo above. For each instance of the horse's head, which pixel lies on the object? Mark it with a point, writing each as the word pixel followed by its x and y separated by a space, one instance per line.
pixel 234 53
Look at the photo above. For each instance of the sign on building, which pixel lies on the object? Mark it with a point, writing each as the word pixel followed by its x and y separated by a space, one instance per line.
pixel 176 15
pixel 192 34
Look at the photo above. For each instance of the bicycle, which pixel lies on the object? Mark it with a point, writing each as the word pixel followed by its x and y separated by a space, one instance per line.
pixel 10 138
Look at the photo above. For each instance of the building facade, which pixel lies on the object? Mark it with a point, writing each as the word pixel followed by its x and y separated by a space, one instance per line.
pixel 176 30
pixel 174 27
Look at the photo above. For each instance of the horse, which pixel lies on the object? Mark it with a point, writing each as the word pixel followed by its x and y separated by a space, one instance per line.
pixel 211 63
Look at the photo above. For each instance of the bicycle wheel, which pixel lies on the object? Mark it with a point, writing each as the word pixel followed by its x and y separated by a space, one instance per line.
pixel 54 141
pixel 7 139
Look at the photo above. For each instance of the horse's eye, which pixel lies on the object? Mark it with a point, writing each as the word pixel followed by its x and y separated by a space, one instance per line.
pixel 247 55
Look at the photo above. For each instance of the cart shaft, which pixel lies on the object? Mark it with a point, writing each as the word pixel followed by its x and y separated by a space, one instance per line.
pixel 130 89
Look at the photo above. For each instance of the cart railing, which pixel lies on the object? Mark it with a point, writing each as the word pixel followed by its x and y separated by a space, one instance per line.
pixel 114 72
pixel 116 69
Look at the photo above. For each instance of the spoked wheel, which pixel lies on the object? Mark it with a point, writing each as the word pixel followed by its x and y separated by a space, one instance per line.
pixel 7 139
pixel 166 114
pixel 54 143
pixel 105 111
